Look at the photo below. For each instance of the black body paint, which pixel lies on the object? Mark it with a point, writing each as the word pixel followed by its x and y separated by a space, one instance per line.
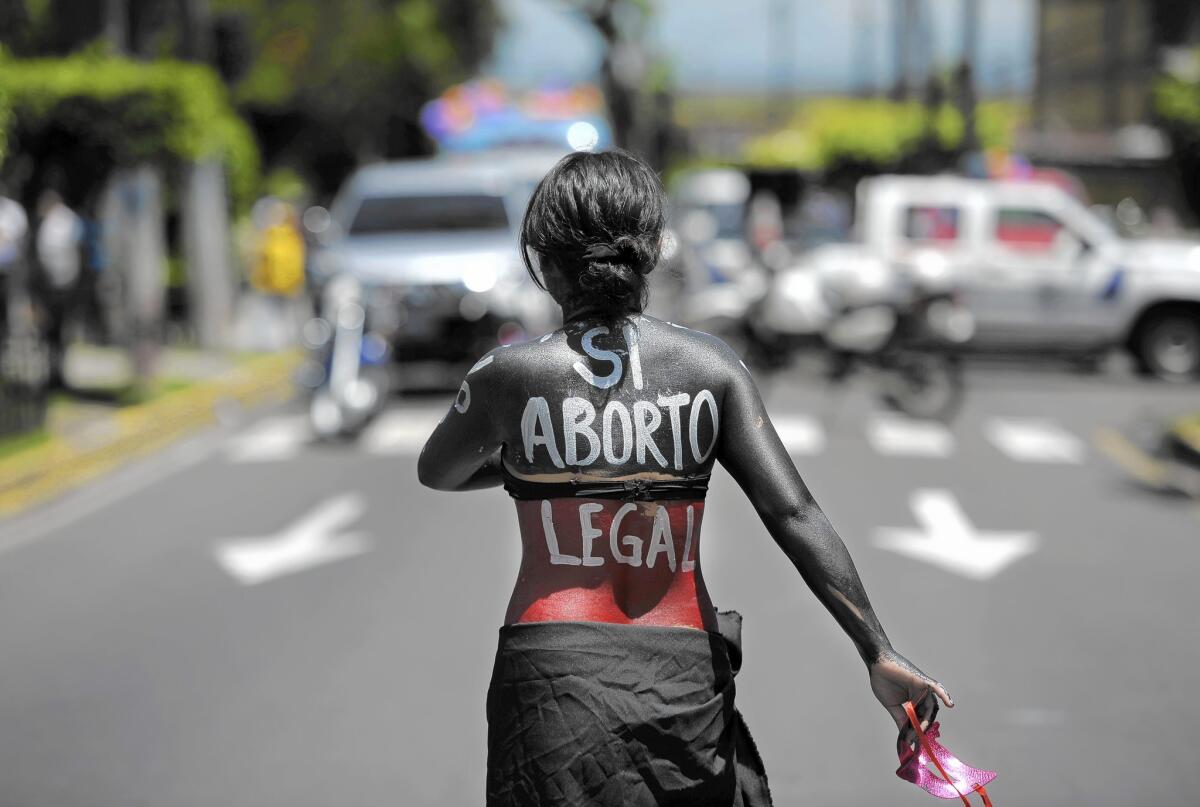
pixel 466 450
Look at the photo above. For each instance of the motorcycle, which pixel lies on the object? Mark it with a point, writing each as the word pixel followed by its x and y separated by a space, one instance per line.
pixel 910 350
pixel 347 370
pixel 901 324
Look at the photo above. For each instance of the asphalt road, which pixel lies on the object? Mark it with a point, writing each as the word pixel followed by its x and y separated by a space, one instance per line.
pixel 248 620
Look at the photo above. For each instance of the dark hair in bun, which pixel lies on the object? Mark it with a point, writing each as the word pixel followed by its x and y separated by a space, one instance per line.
pixel 598 219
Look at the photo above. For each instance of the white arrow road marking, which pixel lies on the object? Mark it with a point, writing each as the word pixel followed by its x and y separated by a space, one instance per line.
pixel 272 439
pixel 1033 440
pixel 947 539
pixel 314 540
pixel 801 434
pixel 400 431
pixel 895 436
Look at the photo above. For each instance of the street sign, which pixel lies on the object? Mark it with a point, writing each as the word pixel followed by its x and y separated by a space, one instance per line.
pixel 947 539
pixel 314 540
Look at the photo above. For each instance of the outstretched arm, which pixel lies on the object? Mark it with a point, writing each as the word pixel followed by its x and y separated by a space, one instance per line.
pixel 750 449
pixel 463 453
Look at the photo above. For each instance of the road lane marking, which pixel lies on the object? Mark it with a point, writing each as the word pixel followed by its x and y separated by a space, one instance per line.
pixel 899 437
pixel 272 439
pixel 1034 440
pixel 313 540
pixel 801 434
pixel 400 431
pixel 106 491
pixel 1136 462
pixel 947 539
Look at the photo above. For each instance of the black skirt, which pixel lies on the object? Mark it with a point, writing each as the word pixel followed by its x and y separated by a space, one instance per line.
pixel 587 713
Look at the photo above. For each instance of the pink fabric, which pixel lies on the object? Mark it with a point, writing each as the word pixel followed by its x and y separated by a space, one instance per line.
pixel 914 766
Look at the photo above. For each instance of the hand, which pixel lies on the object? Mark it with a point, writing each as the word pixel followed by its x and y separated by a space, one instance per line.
pixel 894 680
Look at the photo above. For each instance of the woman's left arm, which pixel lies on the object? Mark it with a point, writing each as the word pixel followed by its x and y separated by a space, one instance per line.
pixel 463 453
pixel 750 449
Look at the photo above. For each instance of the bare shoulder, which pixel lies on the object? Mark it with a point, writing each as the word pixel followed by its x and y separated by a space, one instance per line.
pixel 488 380
pixel 510 369
pixel 695 350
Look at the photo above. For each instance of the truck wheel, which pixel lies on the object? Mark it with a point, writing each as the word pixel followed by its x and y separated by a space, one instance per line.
pixel 1168 345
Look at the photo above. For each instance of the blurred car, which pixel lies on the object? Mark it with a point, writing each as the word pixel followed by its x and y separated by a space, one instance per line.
pixel 1040 272
pixel 709 209
pixel 433 244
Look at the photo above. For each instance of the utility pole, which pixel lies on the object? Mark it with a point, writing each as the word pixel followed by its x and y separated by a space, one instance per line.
pixel 781 42
pixel 133 223
pixel 116 24
pixel 621 69
pixel 865 47
pixel 965 79
pixel 195 35
pixel 211 285
pixel 904 17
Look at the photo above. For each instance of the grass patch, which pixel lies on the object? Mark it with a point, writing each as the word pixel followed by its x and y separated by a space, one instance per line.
pixel 22 442
pixel 133 395
pixel 121 396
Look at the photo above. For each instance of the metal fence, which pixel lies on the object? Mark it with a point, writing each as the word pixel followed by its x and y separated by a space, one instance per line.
pixel 24 371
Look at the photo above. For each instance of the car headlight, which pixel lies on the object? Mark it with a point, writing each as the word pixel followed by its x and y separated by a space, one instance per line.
pixel 480 278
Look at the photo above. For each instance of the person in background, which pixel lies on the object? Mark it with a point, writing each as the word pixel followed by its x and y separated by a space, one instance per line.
pixel 57 245
pixel 278 268
pixel 14 226
pixel 279 262
pixel 99 289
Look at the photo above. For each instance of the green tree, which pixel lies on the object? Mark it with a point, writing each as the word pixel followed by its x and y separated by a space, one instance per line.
pixel 1177 108
pixel 325 84
pixel 329 84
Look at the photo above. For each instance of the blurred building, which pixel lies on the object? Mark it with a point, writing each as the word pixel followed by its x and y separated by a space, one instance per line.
pixel 1092 103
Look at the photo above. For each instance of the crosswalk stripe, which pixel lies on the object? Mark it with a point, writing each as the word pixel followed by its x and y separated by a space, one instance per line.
pixel 400 431
pixel 895 436
pixel 801 434
pixel 1034 440
pixel 270 440
pixel 403 431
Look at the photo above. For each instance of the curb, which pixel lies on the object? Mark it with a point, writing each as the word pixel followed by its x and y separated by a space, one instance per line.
pixel 49 470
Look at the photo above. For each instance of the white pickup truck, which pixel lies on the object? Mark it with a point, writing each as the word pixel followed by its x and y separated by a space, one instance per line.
pixel 1039 270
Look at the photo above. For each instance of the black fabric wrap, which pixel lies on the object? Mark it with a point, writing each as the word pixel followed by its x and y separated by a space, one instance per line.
pixel 591 713
pixel 640 490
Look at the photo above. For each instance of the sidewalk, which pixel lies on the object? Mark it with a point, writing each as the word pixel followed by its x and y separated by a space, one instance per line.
pixel 100 425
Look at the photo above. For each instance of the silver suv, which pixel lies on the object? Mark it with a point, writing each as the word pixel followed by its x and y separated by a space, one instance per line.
pixel 433 244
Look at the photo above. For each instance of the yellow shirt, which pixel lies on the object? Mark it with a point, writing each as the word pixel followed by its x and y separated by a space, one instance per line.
pixel 279 268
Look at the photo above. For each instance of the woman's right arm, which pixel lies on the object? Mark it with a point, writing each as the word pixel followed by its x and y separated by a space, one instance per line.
pixel 750 449
pixel 463 453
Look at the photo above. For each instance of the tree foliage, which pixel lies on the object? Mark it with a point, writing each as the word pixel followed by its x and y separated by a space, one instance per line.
pixel 353 74
pixel 1177 102
pixel 93 112
pixel 876 132
pixel 1177 107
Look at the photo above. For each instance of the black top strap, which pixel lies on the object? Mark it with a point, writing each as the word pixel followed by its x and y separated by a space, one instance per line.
pixel 637 490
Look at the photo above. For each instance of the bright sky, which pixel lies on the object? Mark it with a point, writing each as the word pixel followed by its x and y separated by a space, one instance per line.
pixel 727 45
